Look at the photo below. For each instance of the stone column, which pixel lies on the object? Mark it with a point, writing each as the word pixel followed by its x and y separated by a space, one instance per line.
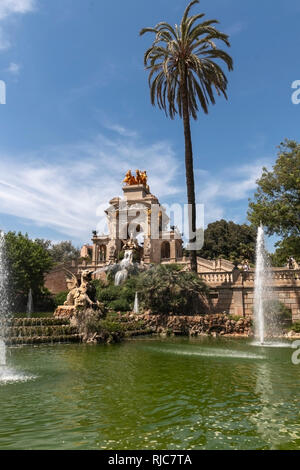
pixel 238 302
pixel 95 252
pixel 173 251
pixel 238 297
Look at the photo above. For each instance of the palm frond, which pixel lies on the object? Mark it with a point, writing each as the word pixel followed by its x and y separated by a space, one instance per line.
pixel 187 55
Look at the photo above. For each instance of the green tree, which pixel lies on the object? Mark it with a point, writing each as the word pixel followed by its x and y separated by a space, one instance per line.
pixel 44 243
pixel 287 247
pixel 28 262
pixel 228 240
pixel 277 201
pixel 64 252
pixel 183 73
pixel 166 289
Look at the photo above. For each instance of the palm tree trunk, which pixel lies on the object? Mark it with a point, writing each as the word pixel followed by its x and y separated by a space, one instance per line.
pixel 189 169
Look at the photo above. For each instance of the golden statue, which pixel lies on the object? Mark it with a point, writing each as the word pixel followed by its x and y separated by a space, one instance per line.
pixel 144 178
pixel 140 178
pixel 129 179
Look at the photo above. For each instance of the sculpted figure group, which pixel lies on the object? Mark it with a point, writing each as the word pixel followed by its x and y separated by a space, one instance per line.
pixel 80 296
pixel 140 178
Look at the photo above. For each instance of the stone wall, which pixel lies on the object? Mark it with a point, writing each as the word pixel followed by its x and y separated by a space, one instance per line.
pixel 233 293
pixel 230 292
pixel 197 325
pixel 55 280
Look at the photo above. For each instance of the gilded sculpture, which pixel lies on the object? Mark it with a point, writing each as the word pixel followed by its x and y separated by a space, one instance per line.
pixel 141 178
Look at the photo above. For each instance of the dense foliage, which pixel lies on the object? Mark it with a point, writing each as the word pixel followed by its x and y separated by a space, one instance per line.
pixel 166 289
pixel 62 252
pixel 116 298
pixel 277 201
pixel 28 262
pixel 161 289
pixel 287 247
pixel 296 327
pixel 230 241
pixel 95 328
pixel 60 298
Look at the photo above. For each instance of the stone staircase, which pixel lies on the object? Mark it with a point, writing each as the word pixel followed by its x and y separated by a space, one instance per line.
pixel 40 330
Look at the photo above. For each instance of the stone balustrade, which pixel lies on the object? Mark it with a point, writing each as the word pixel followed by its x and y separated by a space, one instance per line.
pixel 233 292
pixel 287 274
pixel 249 276
pixel 217 277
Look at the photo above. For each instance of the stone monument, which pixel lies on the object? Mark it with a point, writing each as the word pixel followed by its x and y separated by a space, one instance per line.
pixel 136 216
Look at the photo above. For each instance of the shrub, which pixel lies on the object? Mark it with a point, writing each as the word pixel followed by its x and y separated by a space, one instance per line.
pixel 119 305
pixel 60 298
pixel 44 301
pixel 166 289
pixel 108 294
pixel 118 298
pixel 129 289
pixel 111 326
pixel 296 327
pixel 235 317
pixel 98 285
pixel 94 328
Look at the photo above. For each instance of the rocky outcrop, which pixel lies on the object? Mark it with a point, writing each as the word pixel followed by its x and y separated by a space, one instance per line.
pixel 292 335
pixel 197 325
pixel 65 311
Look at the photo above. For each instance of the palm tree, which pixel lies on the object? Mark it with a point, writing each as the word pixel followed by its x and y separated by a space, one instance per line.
pixel 183 72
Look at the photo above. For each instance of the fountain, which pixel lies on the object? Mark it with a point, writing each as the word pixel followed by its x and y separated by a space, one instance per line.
pixel 3 299
pixel 7 374
pixel 259 286
pixel 127 267
pixel 122 274
pixel 29 309
pixel 263 292
pixel 136 304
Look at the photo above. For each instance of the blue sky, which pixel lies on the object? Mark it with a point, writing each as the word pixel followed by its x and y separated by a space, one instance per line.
pixel 78 113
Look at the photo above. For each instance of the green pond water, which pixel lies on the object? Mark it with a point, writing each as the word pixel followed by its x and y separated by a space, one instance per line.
pixel 150 394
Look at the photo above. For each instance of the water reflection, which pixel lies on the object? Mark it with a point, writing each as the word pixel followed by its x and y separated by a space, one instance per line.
pixel 275 409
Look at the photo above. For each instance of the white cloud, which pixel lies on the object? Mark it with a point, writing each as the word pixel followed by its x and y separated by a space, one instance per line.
pixel 228 187
pixel 8 7
pixel 122 131
pixel 67 188
pixel 13 68
pixel 62 188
